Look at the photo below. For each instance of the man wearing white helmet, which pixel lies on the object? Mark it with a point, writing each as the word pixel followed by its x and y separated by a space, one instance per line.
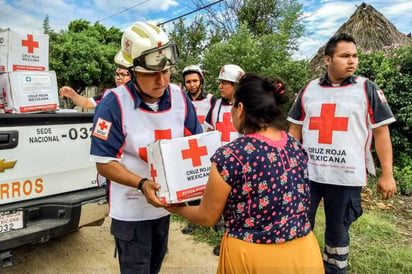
pixel 127 119
pixel 219 116
pixel 193 80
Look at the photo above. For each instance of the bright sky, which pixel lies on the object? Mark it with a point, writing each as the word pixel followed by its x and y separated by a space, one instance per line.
pixel 322 17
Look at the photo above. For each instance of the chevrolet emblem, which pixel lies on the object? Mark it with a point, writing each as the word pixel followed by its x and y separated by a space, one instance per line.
pixel 4 165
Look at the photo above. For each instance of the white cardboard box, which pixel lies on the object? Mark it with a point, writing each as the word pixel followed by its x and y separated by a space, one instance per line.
pixel 181 165
pixel 29 91
pixel 22 51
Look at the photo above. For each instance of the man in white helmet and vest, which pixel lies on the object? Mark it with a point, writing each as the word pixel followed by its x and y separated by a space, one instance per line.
pixel 127 119
pixel 193 80
pixel 219 116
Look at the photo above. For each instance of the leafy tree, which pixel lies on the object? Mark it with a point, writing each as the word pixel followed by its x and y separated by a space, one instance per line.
pixel 261 17
pixel 83 55
pixel 192 41
pixel 267 55
pixel 46 25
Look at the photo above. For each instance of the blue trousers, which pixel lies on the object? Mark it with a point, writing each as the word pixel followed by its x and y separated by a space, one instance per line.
pixel 141 245
pixel 342 205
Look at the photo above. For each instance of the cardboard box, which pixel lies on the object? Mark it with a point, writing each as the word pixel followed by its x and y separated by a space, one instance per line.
pixel 22 51
pixel 181 165
pixel 29 91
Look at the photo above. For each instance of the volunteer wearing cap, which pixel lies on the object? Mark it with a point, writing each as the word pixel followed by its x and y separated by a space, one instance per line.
pixel 219 117
pixel 128 118
pixel 193 80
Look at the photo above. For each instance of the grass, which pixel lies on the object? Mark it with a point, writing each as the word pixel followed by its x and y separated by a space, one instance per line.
pixel 381 240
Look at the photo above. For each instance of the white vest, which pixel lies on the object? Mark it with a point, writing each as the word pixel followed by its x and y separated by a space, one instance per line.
pixel 222 121
pixel 202 108
pixel 140 128
pixel 335 133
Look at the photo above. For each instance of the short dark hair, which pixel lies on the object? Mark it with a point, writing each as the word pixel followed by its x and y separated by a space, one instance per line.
pixel 331 44
pixel 262 98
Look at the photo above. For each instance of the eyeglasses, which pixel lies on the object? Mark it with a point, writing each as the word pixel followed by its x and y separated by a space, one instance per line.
pixel 224 82
pixel 121 75
pixel 158 58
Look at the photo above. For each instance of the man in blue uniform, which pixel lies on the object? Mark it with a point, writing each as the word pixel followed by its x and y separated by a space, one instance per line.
pixel 128 118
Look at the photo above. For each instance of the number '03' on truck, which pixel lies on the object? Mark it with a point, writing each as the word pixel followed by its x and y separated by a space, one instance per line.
pixel 48 184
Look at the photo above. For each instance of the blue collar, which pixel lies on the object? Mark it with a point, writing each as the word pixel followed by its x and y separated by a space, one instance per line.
pixel 164 102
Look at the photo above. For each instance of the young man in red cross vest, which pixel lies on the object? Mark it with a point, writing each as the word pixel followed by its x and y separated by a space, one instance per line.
pixel 336 117
pixel 126 120
pixel 219 116
pixel 193 80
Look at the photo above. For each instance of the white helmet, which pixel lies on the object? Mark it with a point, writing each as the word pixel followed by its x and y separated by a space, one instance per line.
pixel 193 69
pixel 231 73
pixel 146 48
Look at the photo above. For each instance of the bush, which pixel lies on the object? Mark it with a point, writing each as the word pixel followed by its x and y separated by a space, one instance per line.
pixel 391 70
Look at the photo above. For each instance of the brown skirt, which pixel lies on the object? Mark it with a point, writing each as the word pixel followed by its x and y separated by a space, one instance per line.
pixel 301 255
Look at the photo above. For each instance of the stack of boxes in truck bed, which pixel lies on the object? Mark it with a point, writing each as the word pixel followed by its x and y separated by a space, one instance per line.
pixel 26 84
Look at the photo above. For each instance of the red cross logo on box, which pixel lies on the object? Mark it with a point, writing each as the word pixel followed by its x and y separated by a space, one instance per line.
pixel 159 134
pixel 30 43
pixel 153 172
pixel 326 123
pixel 194 152
pixel 226 127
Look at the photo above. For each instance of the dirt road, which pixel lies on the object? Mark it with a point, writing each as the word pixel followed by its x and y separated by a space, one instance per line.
pixel 90 250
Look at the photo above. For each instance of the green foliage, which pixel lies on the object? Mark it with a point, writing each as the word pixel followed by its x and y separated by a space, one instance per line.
pixel 46 25
pixel 267 55
pixel 83 55
pixel 191 40
pixel 377 245
pixel 261 17
pixel 392 72
pixel 403 177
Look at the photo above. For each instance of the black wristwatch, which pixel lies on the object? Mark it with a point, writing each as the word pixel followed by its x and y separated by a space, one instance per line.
pixel 140 184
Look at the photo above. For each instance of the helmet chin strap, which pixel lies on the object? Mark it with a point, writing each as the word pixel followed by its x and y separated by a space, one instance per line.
pixel 140 90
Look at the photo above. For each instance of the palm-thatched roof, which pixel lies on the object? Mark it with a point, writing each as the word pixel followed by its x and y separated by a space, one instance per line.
pixel 371 30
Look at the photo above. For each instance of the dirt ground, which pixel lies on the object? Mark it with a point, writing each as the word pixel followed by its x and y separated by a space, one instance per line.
pixel 90 250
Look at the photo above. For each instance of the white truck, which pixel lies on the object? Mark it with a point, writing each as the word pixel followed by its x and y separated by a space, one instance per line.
pixel 48 184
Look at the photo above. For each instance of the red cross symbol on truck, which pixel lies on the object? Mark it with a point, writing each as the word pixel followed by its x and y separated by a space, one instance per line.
pixel 326 123
pixel 159 134
pixel 30 43
pixel 194 152
pixel 225 127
